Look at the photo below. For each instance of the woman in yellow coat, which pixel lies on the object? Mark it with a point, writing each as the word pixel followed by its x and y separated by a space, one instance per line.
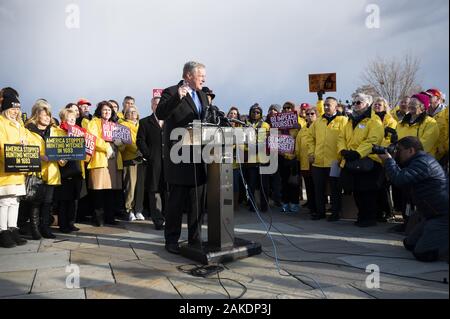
pixel 381 108
pixel 133 169
pixel 301 152
pixel 355 143
pixel 42 125
pixel 105 167
pixel 419 124
pixel 12 185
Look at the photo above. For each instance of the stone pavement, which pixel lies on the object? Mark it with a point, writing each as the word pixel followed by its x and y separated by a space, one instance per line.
pixel 129 261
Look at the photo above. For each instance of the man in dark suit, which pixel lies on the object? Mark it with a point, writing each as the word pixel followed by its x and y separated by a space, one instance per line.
pixel 180 105
pixel 149 143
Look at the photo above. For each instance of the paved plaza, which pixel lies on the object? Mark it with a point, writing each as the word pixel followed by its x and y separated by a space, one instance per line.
pixel 129 261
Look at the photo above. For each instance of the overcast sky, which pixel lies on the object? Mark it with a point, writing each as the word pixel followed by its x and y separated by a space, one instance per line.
pixel 254 50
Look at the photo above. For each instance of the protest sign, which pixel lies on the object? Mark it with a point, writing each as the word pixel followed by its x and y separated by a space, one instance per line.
pixel 21 158
pixel 157 92
pixel 284 143
pixel 123 133
pixel 283 121
pixel 89 139
pixel 66 148
pixel 107 130
pixel 322 82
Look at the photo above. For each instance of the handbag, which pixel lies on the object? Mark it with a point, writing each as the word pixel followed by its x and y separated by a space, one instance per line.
pixel 362 165
pixel 70 170
pixel 34 186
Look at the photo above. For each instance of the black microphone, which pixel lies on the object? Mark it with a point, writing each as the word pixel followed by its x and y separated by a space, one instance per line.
pixel 237 121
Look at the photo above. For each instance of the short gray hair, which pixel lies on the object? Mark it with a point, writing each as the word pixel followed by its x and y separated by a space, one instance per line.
pixel 364 97
pixel 190 66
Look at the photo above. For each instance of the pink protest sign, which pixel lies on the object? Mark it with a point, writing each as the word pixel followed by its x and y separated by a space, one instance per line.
pixel 107 130
pixel 284 143
pixel 90 139
pixel 284 121
pixel 157 92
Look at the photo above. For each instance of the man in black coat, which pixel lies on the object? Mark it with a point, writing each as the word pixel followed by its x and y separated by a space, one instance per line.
pixel 180 105
pixel 427 184
pixel 149 143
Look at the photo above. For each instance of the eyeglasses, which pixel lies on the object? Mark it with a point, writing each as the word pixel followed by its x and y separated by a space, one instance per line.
pixel 256 112
pixel 357 102
pixel 311 114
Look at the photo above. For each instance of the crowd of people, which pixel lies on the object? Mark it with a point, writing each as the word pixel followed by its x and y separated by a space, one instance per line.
pixel 334 155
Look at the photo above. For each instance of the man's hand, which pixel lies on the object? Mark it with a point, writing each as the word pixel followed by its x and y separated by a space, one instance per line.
pixel 384 156
pixel 320 94
pixel 311 159
pixel 183 91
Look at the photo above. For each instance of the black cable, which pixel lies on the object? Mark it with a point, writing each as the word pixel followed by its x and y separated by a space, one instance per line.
pixel 354 267
pixel 323 252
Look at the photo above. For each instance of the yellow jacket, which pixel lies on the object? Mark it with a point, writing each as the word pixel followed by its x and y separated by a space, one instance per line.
pixel 261 139
pixel 12 134
pixel 323 139
pixel 301 148
pixel 99 158
pixel 427 131
pixel 85 123
pixel 388 121
pixel 368 132
pixel 130 150
pixel 442 142
pixel 121 116
pixel 50 170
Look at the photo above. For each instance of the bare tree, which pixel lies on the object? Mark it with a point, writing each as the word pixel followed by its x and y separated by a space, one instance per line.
pixel 366 89
pixel 393 78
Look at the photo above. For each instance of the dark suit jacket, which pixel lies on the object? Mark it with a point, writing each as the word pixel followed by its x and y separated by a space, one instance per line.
pixel 149 143
pixel 177 113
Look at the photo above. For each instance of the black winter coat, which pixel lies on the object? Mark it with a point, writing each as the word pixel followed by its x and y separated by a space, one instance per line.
pixel 426 181
pixel 149 143
pixel 178 113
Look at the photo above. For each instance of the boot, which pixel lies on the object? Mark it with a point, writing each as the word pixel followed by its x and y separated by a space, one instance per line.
pixel 34 223
pixel 98 217
pixel 6 240
pixel 45 221
pixel 16 237
pixel 73 217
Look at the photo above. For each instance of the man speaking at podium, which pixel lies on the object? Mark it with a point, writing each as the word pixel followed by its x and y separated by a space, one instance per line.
pixel 179 106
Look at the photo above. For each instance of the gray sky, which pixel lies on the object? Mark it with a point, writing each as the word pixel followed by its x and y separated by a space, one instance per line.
pixel 254 50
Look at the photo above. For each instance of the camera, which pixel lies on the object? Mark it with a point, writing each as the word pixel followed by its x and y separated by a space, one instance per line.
pixel 377 149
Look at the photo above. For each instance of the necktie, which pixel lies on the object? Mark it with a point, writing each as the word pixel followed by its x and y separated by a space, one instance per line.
pixel 197 102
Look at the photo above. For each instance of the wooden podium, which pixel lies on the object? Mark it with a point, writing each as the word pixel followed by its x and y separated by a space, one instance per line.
pixel 221 245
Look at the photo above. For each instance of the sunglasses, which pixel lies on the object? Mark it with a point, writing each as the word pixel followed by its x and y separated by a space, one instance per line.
pixel 311 114
pixel 256 112
pixel 287 108
pixel 357 103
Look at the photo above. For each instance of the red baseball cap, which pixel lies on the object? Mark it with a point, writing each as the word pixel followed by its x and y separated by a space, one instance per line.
pixel 304 106
pixel 434 92
pixel 83 101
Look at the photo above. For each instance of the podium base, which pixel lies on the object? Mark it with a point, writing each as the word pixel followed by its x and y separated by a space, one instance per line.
pixel 242 249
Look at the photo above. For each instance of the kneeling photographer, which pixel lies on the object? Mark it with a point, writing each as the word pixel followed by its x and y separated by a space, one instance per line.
pixel 423 177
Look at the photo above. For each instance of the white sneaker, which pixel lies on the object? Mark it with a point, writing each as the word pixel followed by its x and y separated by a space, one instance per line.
pixel 131 217
pixel 139 216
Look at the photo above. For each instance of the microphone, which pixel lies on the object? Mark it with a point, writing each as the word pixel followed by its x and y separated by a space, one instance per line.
pixel 236 121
